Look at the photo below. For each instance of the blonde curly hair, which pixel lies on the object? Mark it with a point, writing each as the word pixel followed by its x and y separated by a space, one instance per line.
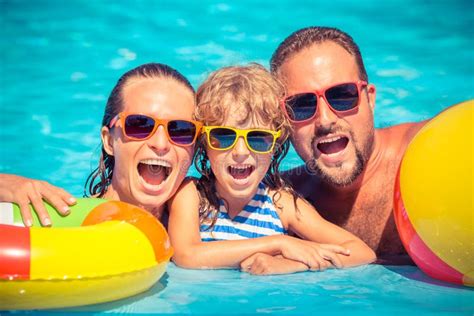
pixel 251 88
pixel 257 95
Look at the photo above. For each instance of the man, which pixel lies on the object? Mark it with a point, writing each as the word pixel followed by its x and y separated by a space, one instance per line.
pixel 350 167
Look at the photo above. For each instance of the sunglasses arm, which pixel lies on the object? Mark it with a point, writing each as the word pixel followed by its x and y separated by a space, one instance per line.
pixel 114 120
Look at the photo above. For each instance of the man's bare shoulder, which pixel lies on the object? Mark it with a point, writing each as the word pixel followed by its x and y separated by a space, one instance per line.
pixel 394 140
pixel 402 132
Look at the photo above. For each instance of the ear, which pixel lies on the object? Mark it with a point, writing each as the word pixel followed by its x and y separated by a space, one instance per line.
pixel 107 140
pixel 371 93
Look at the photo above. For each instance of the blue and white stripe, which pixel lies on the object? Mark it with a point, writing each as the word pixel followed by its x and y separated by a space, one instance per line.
pixel 258 218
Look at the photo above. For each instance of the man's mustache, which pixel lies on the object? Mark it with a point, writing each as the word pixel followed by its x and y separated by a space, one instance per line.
pixel 322 131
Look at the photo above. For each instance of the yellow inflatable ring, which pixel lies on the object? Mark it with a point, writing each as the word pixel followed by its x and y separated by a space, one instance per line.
pixel 113 250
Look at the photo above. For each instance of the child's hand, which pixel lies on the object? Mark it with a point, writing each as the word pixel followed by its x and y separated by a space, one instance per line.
pixel 316 256
pixel 24 191
pixel 264 264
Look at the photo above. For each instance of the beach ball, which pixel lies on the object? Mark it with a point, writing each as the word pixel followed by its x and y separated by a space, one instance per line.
pixel 434 196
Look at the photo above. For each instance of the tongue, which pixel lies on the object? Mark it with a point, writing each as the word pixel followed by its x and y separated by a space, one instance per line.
pixel 152 174
pixel 333 147
pixel 240 173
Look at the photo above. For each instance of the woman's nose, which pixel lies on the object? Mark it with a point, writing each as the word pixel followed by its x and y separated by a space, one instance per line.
pixel 159 141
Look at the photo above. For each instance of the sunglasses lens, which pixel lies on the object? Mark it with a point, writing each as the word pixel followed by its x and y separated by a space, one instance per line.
pixel 182 132
pixel 343 97
pixel 301 106
pixel 260 141
pixel 139 126
pixel 221 138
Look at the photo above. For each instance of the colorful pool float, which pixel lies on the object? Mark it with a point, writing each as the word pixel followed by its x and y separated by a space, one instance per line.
pixel 103 251
pixel 434 204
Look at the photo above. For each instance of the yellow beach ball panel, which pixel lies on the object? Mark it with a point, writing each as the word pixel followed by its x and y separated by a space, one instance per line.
pixel 436 178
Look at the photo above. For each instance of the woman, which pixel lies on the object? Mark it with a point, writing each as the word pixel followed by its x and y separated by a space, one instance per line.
pixel 148 140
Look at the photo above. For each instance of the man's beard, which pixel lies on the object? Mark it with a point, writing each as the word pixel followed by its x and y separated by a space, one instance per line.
pixel 334 178
pixel 337 176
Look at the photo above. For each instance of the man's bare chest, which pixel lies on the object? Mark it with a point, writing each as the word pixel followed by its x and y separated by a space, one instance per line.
pixel 364 213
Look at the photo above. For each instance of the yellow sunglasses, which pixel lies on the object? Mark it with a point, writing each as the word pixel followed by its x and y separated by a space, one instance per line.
pixel 260 141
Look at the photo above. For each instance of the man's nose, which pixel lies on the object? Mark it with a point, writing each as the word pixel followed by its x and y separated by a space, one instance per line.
pixel 159 142
pixel 325 116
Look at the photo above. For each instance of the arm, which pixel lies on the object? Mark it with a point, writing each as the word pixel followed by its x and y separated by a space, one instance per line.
pixel 24 191
pixel 191 252
pixel 263 264
pixel 308 224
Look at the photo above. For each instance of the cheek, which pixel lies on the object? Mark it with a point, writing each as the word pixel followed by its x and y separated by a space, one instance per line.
pixel 123 156
pixel 263 162
pixel 216 159
pixel 184 156
pixel 301 137
pixel 361 126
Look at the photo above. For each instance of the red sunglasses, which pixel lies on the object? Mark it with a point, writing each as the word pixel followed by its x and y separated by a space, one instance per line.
pixel 341 97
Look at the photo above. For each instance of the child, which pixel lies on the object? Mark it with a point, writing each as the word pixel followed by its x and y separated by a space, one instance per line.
pixel 240 211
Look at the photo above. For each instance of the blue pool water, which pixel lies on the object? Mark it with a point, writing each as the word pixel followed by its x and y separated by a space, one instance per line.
pixel 364 290
pixel 60 59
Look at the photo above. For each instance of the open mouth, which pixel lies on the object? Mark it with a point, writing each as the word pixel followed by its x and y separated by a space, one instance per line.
pixel 154 171
pixel 333 145
pixel 240 172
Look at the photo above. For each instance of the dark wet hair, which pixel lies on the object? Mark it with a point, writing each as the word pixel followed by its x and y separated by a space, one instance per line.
pixel 99 180
pixel 309 36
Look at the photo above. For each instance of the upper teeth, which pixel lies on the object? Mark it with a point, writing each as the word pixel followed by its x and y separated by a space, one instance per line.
pixel 330 140
pixel 158 162
pixel 241 167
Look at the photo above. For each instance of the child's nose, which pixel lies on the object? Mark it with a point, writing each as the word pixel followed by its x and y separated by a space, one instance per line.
pixel 240 148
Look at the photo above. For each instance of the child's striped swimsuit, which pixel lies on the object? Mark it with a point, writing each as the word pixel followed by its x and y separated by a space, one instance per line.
pixel 257 219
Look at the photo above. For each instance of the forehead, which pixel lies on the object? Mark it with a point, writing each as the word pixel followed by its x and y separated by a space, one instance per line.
pixel 162 97
pixel 319 66
pixel 238 116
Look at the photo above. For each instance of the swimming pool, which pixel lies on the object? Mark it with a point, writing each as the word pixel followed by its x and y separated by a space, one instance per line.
pixel 59 63
pixel 364 290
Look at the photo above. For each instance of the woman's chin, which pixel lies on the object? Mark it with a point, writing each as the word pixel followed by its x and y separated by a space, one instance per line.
pixel 150 202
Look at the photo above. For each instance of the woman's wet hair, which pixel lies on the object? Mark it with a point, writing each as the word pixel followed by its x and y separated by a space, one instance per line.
pixel 257 94
pixel 101 177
